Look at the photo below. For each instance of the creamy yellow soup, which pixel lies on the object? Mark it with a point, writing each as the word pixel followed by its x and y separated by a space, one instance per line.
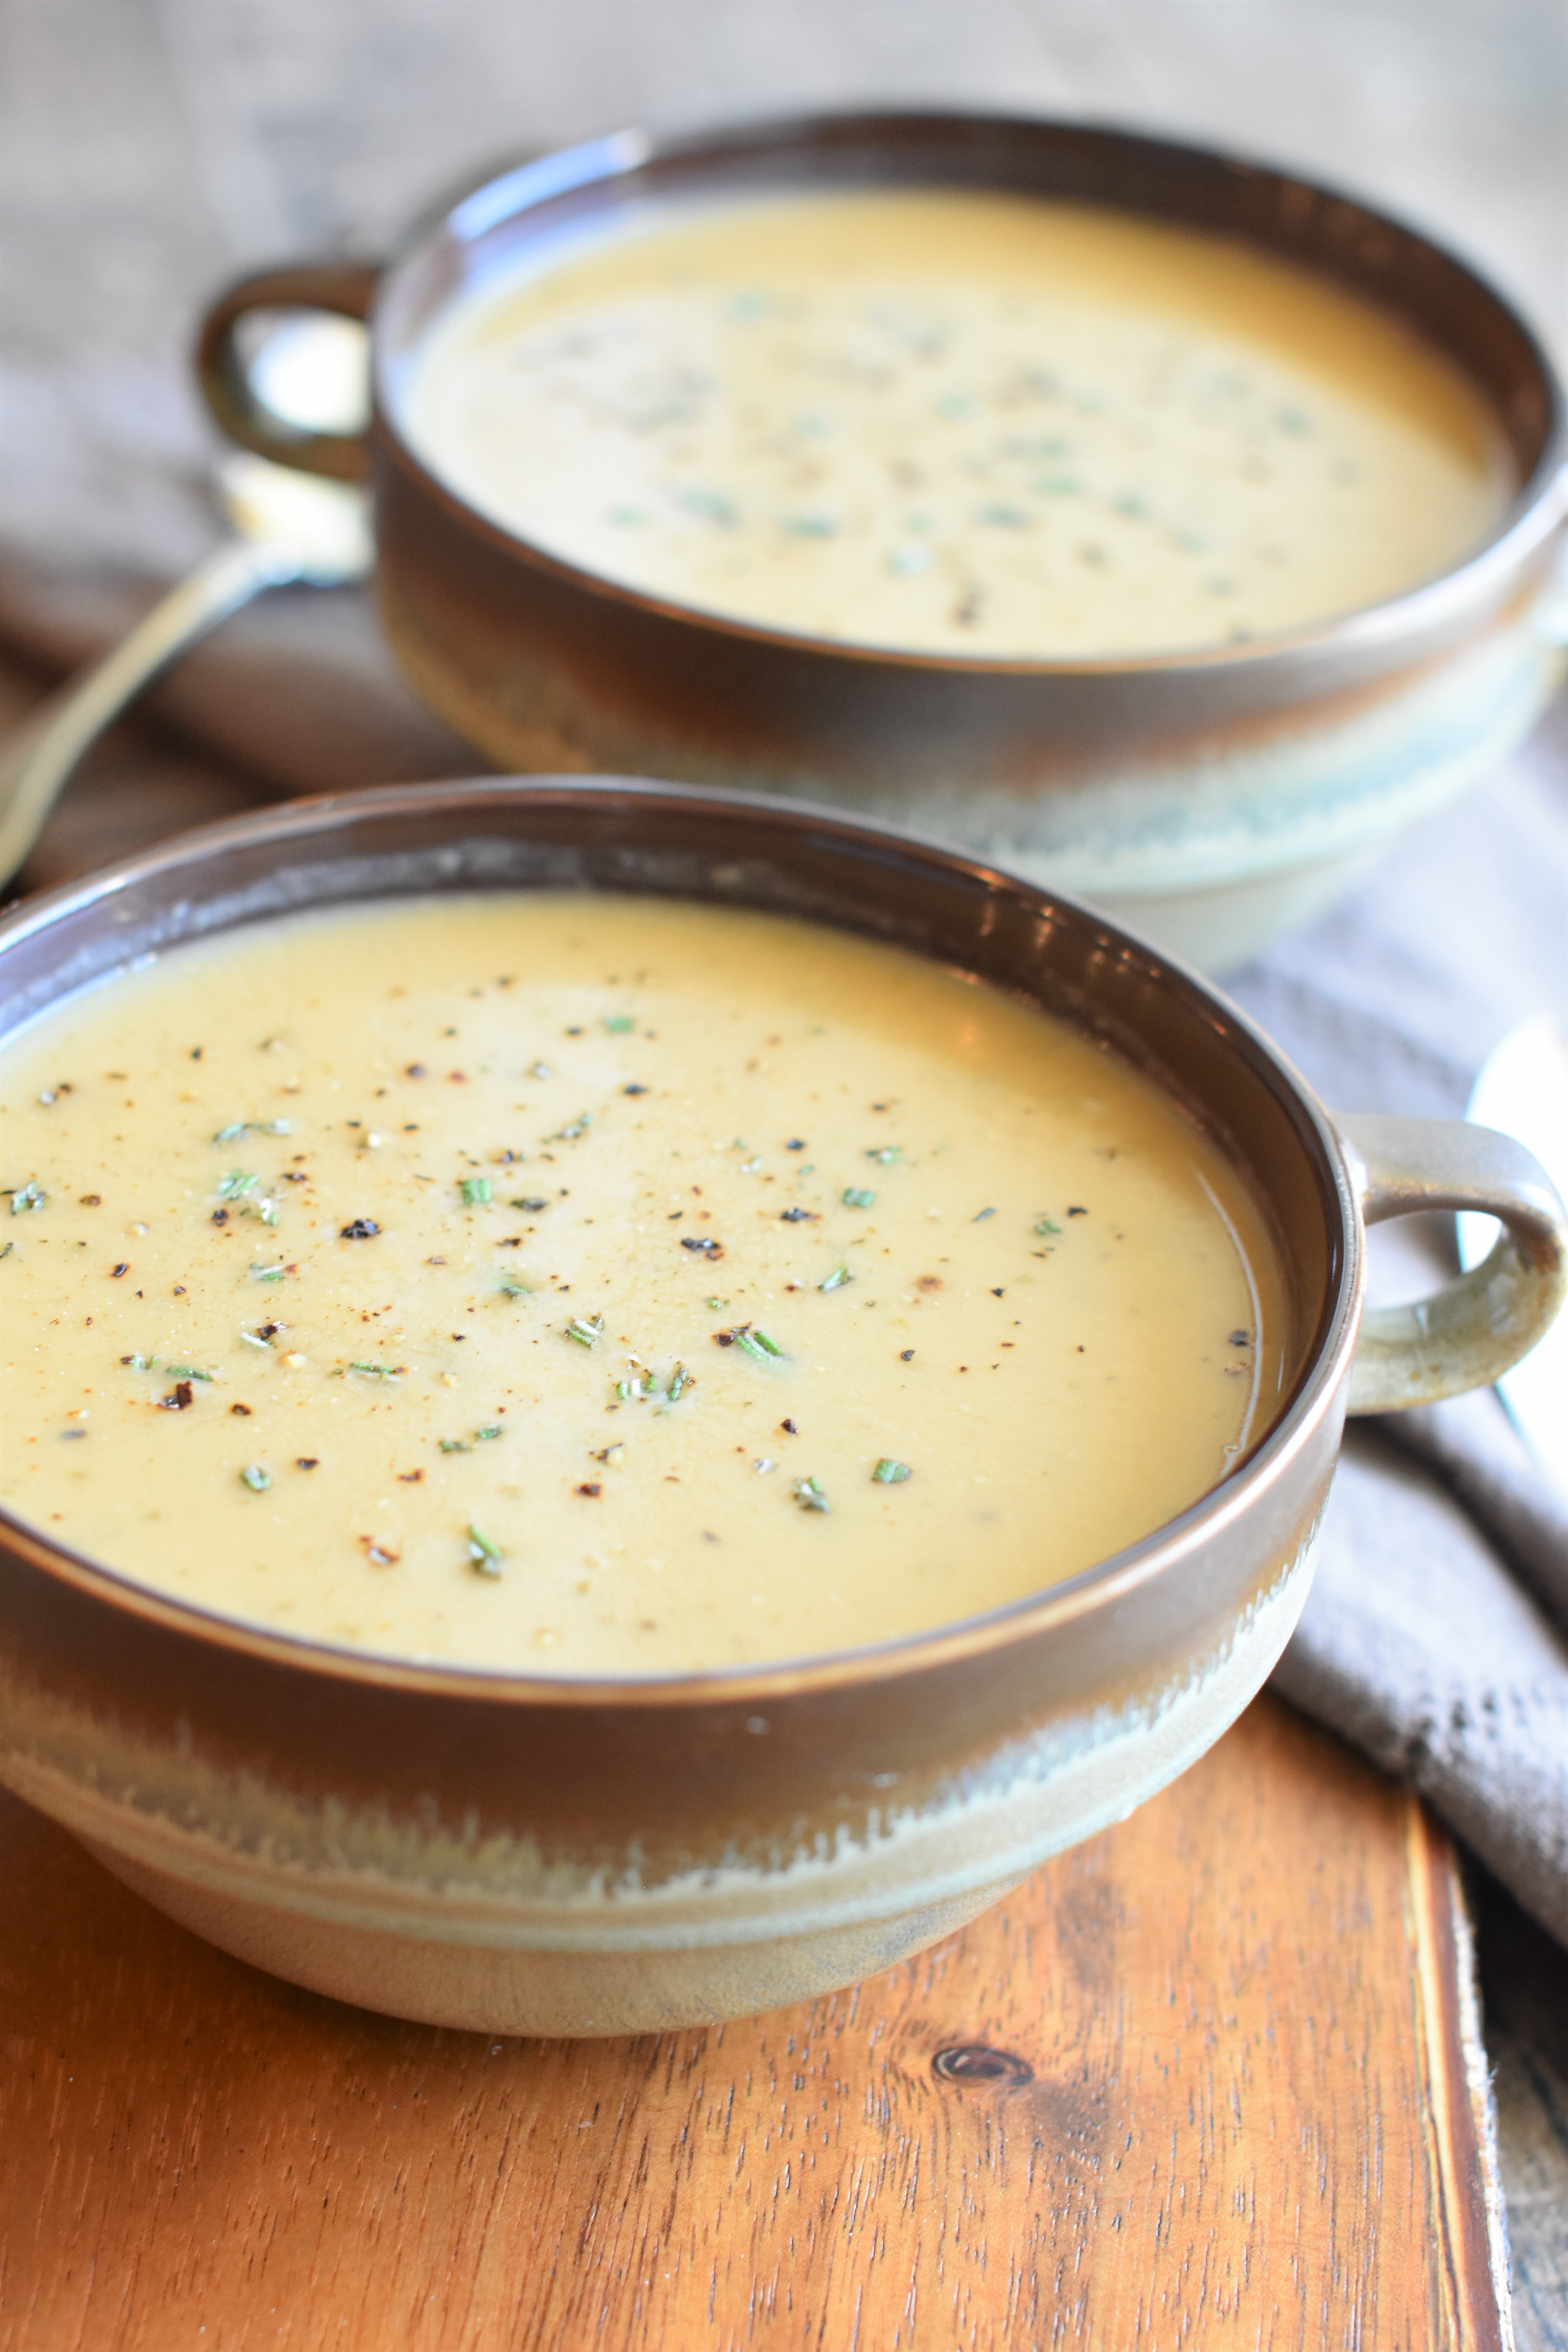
pixel 600 1286
pixel 955 422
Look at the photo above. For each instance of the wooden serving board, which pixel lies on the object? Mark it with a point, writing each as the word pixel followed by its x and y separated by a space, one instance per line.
pixel 1203 2082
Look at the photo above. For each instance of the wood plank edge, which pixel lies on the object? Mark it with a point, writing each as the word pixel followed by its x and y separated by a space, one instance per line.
pixel 1472 2284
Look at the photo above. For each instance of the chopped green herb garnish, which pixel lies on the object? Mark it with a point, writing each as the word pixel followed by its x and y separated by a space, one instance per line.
pixel 629 1390
pixel 266 1209
pixel 453 1445
pixel 238 1127
pixel 857 1197
pixel 983 1213
pixel 377 1371
pixel 251 1339
pixel 618 1024
pixel 680 1379
pixel 30 1195
pixel 587 1329
pixel 809 1495
pixel 485 1556
pixel 1043 1225
pixel 511 1289
pixel 757 1344
pixel 532 1205
pixel 715 1302
pixel 7 1250
pixel 886 1154
pixel 141 1363
pixel 492 1429
pixel 889 1473
pixel 236 1185
pixel 572 1129
pixel 256 1478
pixel 186 1372
pixel 266 1273
pixel 837 1279
pixel 475 1191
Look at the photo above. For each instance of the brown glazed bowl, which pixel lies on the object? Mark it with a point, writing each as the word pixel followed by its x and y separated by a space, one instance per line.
pixel 1210 799
pixel 525 1854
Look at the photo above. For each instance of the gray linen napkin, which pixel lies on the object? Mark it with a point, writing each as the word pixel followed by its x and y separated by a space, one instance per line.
pixel 1429 1640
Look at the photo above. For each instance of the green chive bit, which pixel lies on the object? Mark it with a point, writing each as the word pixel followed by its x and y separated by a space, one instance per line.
pixel 572 1129
pixel 510 1289
pixel 266 1273
pixel 232 1132
pixel 237 1183
pixel 256 1478
pixel 758 1345
pixel 889 1473
pixel 618 1024
pixel 837 1279
pixel 714 1303
pixel 630 1390
pixel 475 1191
pixel 141 1363
pixel 885 1154
pixel 375 1371
pixel 185 1372
pixel 983 1213
pixel 7 1250
pixel 1043 1225
pixel 809 1495
pixel 30 1195
pixel 267 1211
pixel 587 1329
pixel 854 1196
pixel 680 1379
pixel 452 1445
pixel 492 1429
pixel 483 1555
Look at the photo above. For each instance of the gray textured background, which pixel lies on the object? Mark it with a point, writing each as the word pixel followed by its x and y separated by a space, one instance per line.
pixel 151 148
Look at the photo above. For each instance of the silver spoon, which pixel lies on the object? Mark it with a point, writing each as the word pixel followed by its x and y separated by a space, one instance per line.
pixel 289 527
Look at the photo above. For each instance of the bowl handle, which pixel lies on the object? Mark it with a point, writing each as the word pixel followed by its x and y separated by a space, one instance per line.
pixel 347 288
pixel 1470 1331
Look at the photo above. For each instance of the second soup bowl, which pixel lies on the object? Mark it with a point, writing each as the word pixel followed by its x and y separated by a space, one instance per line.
pixel 575 1855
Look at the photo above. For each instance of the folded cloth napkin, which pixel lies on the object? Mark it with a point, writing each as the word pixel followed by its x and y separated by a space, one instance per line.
pixel 1433 1638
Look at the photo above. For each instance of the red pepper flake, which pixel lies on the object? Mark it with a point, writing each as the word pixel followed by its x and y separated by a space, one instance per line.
pixel 91 1201
pixel 416 1070
pixel 703 1245
pixel 116 1271
pixel 302 1461
pixel 409 1477
pixel 243 1411
pixel 379 1554
pixel 789 1428
pixel 360 1229
pixel 179 1398
pixel 590 1486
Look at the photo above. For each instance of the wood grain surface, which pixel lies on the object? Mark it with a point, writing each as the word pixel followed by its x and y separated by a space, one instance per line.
pixel 1200 2083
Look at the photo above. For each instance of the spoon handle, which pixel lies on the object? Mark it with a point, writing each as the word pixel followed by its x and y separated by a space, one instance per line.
pixel 37 759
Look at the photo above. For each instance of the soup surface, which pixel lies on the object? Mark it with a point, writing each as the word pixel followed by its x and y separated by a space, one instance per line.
pixel 595 1285
pixel 956 423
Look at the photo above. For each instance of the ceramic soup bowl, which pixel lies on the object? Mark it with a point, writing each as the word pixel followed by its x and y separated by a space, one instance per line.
pixel 1210 798
pixel 527 1855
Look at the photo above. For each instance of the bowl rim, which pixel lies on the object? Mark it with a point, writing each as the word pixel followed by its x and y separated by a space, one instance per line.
pixel 506 191
pixel 1105 1584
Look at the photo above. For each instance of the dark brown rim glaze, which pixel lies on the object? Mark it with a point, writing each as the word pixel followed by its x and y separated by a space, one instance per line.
pixel 616 834
pixel 1395 266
